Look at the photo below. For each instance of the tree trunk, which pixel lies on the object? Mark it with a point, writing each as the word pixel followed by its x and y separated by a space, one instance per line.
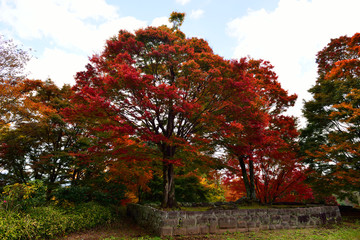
pixel 244 175
pixel 248 181
pixel 169 200
pixel 252 180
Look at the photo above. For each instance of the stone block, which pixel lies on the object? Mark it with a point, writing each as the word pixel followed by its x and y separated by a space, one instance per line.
pixel 313 222
pixel 227 223
pixel 285 218
pixel 275 219
pixel 255 218
pixel 204 229
pixel 219 213
pixel 213 227
pixel 240 212
pixel 279 226
pixel 172 215
pixel 322 217
pixel 203 221
pixel 192 230
pixel 301 211
pixel 286 225
pixel 303 219
pixel 262 212
pixel 252 212
pixel 193 213
pixel 316 210
pixel 245 218
pixel 228 212
pixel 265 220
pixel 272 212
pixel 168 224
pixel 187 222
pixel 293 220
pixel 166 231
pixel 171 222
pixel 241 224
pixel 338 214
pixel 251 225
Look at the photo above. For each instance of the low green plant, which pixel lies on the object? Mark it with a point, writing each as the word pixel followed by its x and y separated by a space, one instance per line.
pixel 46 222
pixel 110 194
pixel 22 196
pixel 72 194
pixel 92 214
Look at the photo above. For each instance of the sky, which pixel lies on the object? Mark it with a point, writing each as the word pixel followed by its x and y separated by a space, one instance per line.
pixel 63 34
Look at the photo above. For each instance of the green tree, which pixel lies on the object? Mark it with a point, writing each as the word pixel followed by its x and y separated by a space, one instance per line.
pixel 330 140
pixel 40 144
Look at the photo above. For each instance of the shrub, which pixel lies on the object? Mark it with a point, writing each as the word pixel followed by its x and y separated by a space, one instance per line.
pixel 14 225
pixel 72 194
pixel 91 214
pixel 49 221
pixel 109 194
pixel 21 196
pixel 189 188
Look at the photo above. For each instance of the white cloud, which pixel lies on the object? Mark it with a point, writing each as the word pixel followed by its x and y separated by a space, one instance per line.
pixel 161 21
pixel 291 35
pixel 183 2
pixel 58 65
pixel 79 26
pixel 196 14
pixel 84 9
pixel 68 23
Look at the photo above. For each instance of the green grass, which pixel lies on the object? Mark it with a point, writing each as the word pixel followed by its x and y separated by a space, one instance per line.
pixel 345 231
pixel 253 206
pixel 338 233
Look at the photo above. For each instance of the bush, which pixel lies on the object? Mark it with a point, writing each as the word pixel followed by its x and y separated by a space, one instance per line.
pixel 187 189
pixel 72 194
pixel 14 225
pixel 108 195
pixel 49 221
pixel 91 214
pixel 22 196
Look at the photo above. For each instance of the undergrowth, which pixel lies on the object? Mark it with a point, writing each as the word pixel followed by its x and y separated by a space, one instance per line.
pixel 47 222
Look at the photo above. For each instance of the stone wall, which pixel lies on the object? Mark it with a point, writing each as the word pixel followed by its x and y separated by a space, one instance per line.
pixel 170 223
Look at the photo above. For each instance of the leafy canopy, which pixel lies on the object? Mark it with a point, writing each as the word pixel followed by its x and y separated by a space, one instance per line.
pixel 330 140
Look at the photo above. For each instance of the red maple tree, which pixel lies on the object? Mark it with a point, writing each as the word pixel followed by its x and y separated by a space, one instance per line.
pixel 262 157
pixel 162 90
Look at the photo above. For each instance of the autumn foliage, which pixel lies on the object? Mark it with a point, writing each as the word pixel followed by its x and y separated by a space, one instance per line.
pixel 162 89
pixel 262 159
pixel 330 141
pixel 156 104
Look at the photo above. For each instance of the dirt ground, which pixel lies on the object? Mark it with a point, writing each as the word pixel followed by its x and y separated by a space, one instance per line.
pixel 125 228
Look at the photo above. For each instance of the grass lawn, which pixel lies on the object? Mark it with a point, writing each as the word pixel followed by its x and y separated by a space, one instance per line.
pixel 125 229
